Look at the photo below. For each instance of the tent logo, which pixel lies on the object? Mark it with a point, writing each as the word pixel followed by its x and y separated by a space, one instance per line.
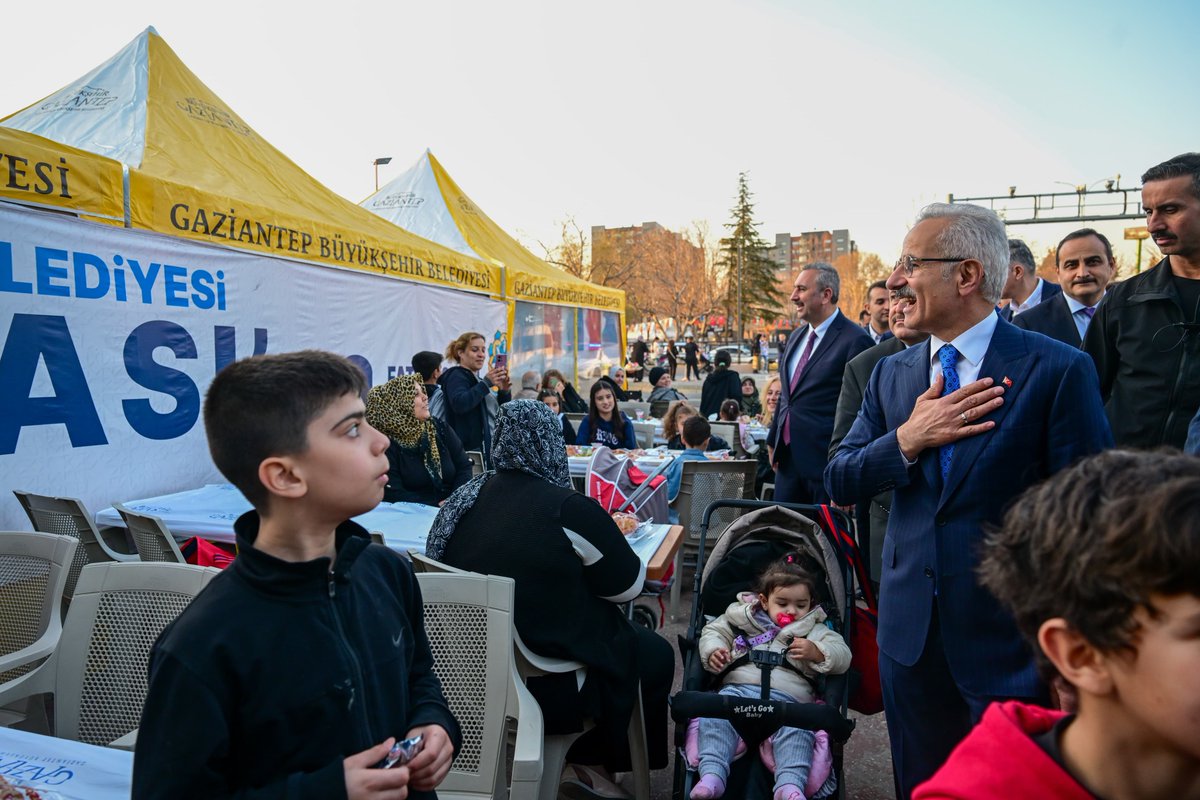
pixel 466 205
pixel 89 98
pixel 204 111
pixel 399 200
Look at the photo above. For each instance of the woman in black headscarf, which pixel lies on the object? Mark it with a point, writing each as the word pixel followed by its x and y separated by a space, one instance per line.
pixel 572 567
pixel 426 462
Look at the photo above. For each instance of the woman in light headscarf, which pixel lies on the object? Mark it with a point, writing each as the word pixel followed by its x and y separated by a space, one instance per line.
pixel 426 460
pixel 572 567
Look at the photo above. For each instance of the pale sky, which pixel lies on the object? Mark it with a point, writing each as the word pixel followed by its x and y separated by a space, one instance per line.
pixel 845 114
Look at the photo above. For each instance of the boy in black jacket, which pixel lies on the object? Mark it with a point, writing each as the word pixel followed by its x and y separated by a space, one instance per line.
pixel 293 673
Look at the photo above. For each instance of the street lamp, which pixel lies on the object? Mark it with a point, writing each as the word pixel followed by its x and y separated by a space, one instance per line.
pixel 377 162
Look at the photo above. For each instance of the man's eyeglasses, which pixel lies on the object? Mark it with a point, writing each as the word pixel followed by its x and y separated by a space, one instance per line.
pixel 909 263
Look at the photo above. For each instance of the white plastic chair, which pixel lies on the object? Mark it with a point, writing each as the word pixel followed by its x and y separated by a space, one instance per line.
pixel 468 620
pixel 154 542
pixel 67 516
pixel 702 483
pixel 476 459
pixel 530 665
pixel 98 672
pixel 33 571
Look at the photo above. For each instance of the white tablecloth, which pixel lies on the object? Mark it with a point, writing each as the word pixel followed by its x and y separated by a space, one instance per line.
pixel 63 769
pixel 210 511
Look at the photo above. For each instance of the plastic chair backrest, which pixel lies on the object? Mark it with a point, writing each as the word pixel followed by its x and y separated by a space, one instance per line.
pixel 64 516
pixel 469 623
pixel 151 537
pixel 631 407
pixel 729 432
pixel 476 458
pixel 575 418
pixel 645 435
pixel 659 408
pixel 33 571
pixel 704 482
pixel 117 614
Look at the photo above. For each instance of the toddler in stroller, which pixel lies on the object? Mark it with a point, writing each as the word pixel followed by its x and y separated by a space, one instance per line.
pixel 781 622
pixel 749 545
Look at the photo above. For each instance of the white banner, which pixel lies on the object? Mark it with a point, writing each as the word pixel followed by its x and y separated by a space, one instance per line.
pixel 111 337
pixel 61 769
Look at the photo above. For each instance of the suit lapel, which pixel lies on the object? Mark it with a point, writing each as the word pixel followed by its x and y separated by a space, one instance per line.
pixel 1066 321
pixel 824 345
pixel 1007 357
pixel 912 379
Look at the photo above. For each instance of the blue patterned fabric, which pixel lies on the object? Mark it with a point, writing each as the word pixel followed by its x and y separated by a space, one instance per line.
pixel 949 358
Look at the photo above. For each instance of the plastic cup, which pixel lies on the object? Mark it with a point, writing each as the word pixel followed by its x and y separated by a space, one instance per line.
pixel 640 414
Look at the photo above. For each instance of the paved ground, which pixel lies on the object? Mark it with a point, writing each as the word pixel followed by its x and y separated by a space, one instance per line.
pixel 868 768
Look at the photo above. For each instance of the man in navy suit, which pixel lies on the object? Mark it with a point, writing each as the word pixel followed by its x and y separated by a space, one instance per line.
pixel 957 426
pixel 1085 265
pixel 1023 289
pixel 811 368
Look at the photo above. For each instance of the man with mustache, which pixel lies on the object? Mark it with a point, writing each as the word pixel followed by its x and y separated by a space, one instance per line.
pixel 872 520
pixel 1145 337
pixel 957 427
pixel 1085 265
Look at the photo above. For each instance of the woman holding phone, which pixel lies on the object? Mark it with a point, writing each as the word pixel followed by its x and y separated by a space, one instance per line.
pixel 471 405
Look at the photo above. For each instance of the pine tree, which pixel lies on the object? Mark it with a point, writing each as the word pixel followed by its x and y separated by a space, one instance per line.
pixel 760 297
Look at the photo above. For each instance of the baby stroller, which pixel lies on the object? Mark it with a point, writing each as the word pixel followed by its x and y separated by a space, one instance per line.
pixel 743 550
pixel 617 484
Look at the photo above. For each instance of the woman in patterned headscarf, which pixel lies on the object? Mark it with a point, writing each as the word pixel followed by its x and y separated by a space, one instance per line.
pixel 427 461
pixel 572 567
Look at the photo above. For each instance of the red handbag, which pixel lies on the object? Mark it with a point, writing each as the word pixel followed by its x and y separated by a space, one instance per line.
pixel 203 553
pixel 866 696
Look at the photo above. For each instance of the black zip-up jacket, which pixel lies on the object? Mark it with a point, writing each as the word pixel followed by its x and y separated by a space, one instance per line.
pixel 1151 390
pixel 278 671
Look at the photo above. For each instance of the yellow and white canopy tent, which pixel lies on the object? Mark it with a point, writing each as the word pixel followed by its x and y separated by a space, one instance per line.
pixel 559 320
pixel 188 241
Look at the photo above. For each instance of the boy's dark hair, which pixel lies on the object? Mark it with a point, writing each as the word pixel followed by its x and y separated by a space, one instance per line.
pixel 261 407
pixel 1083 233
pixel 788 571
pixel 1092 543
pixel 696 431
pixel 426 362
pixel 1183 164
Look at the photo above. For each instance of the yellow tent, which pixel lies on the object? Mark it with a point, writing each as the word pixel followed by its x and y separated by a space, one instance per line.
pixel 193 168
pixel 428 202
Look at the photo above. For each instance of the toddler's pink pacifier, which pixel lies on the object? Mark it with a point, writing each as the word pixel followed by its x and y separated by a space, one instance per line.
pixel 785 619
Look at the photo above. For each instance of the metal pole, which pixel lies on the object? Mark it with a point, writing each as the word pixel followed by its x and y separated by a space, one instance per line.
pixel 1139 263
pixel 377 176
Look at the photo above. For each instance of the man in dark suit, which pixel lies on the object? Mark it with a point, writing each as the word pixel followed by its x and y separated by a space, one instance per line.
pixel 1023 289
pixel 957 427
pixel 811 368
pixel 879 307
pixel 873 514
pixel 1085 265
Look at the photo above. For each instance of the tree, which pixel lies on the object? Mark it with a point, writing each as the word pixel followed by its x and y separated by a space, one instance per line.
pixel 743 260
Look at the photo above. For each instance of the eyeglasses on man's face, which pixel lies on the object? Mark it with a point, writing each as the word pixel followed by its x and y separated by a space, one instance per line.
pixel 908 263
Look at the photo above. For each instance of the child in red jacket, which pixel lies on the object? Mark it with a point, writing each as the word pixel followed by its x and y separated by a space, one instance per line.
pixel 1100 566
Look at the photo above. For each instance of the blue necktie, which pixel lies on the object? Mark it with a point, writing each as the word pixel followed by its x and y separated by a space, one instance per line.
pixel 949 357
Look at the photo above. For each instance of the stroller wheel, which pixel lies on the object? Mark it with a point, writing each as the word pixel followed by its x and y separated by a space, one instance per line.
pixel 645 617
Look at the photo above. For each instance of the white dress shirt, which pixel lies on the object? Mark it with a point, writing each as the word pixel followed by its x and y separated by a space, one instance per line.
pixel 819 332
pixel 971 344
pixel 1081 320
pixel 1034 298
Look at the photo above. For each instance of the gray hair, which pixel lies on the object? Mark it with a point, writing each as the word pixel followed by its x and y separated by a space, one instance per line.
pixel 1019 253
pixel 973 232
pixel 827 278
